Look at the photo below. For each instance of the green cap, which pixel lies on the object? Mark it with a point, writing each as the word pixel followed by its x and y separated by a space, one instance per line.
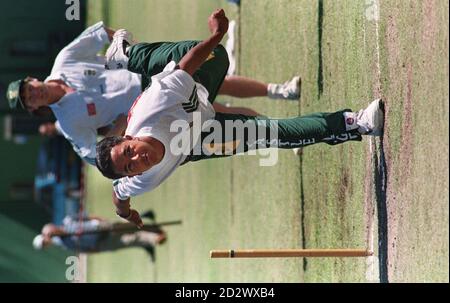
pixel 13 94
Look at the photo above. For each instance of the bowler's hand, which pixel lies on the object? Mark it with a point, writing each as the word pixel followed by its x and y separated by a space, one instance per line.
pixel 218 22
pixel 135 218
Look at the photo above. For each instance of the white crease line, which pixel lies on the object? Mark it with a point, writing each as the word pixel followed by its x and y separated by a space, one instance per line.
pixel 378 50
pixel 372 270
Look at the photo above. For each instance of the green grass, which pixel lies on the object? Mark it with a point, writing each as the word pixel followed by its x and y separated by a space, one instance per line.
pixel 235 203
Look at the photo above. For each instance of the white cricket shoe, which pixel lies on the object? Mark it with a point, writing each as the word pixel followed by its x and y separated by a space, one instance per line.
pixel 116 57
pixel 370 120
pixel 289 90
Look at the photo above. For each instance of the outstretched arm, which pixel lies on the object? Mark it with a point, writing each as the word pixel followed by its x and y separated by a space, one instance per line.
pixel 124 210
pixel 218 26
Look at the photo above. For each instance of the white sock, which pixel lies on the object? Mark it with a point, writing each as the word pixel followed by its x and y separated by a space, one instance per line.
pixel 273 90
pixel 352 121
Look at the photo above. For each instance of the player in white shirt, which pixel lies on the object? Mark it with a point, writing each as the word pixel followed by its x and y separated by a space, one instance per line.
pixel 82 95
pixel 147 155
pixel 85 98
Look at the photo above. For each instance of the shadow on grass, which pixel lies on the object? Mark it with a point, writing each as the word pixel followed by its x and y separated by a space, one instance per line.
pixel 380 195
pixel 302 210
pixel 320 90
pixel 319 31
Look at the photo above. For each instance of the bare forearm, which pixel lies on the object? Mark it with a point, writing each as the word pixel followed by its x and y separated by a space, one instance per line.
pixel 122 206
pixel 124 210
pixel 196 56
pixel 118 129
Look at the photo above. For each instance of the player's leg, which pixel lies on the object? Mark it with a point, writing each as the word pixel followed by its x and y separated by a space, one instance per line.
pixel 231 134
pixel 113 241
pixel 220 108
pixel 235 134
pixel 119 240
pixel 243 87
pixel 149 59
pixel 146 238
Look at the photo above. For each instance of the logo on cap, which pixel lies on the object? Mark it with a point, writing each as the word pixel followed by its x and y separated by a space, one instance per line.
pixel 13 94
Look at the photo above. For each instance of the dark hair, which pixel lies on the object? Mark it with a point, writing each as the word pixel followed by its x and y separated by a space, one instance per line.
pixel 43 111
pixel 103 157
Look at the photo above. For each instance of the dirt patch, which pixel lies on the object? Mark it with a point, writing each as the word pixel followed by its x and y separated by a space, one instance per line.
pixel 400 77
pixel 343 187
pixel 391 201
pixel 406 147
pixel 404 171
pixel 393 59
pixel 369 208
pixel 393 50
pixel 392 41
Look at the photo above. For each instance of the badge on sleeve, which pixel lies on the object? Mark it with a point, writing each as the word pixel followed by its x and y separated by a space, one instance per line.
pixel 91 109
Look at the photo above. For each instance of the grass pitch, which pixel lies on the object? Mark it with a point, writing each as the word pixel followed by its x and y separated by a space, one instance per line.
pixel 389 194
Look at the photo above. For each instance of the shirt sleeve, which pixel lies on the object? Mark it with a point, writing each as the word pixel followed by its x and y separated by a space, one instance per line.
pixel 86 45
pixel 58 128
pixel 127 187
pixel 176 80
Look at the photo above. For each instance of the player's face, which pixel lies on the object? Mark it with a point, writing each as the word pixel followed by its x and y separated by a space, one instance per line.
pixel 133 156
pixel 34 94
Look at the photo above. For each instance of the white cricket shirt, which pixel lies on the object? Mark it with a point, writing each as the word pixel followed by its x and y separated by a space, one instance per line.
pixel 173 95
pixel 101 95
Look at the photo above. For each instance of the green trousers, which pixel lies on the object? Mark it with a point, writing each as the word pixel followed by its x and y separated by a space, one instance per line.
pixel 149 59
pixel 233 134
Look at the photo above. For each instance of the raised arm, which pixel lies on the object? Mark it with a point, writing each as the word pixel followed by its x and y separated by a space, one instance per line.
pixel 218 26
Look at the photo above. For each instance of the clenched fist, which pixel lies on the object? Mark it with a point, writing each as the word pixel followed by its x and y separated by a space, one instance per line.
pixel 218 22
pixel 133 217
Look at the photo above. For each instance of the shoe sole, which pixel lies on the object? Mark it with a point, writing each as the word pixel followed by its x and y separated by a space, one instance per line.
pixel 299 83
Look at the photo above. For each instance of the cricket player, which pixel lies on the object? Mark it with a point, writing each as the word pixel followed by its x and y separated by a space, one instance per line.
pixel 146 155
pixel 88 100
pixel 94 234
pixel 80 93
